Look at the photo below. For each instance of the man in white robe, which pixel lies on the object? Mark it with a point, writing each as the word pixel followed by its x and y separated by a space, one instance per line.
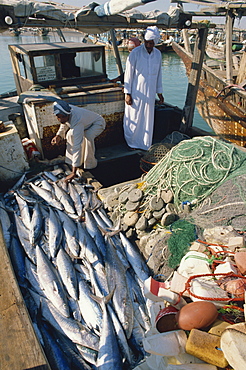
pixel 142 81
pixel 79 127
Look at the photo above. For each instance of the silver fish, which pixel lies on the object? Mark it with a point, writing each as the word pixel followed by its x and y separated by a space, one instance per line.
pixel 47 196
pixel 76 199
pixel 101 212
pixel 83 271
pixel 88 354
pixel 138 333
pixel 23 234
pixel 26 195
pixel 24 211
pixel 95 233
pixel 55 232
pixel 115 238
pixel 70 349
pixel 71 233
pixel 116 278
pixel 93 202
pixel 68 326
pixel 64 198
pixel 50 176
pixel 88 247
pixel 74 308
pixel 63 185
pixel 36 224
pixel 51 282
pixel 46 185
pixel 97 278
pixel 109 355
pixel 135 259
pixel 120 333
pixel 67 273
pixel 90 310
pixel 18 256
pixel 32 277
pixel 53 351
pixel 81 189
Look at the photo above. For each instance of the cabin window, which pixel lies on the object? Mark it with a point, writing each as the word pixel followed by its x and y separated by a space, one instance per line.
pixel 91 63
pixel 27 67
pixel 45 67
pixel 81 64
pixel 69 65
pixel 24 66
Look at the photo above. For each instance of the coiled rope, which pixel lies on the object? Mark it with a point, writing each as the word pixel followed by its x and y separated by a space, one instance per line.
pixel 193 169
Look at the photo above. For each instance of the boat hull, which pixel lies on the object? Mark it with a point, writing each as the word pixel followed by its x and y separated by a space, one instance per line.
pixel 222 108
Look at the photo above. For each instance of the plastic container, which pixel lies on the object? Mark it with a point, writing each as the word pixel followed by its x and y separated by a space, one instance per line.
pixel 233 345
pixel 171 343
pixel 166 319
pixel 30 148
pixel 157 292
pixel 194 263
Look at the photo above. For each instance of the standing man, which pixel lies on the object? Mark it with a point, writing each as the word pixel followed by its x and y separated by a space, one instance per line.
pixel 143 80
pixel 80 127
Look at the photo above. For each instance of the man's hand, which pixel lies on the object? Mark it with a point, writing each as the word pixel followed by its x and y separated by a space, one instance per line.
pixel 70 177
pixel 161 98
pixel 56 140
pixel 128 99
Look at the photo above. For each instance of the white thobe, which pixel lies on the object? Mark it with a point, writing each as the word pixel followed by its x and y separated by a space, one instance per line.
pixel 143 80
pixel 80 131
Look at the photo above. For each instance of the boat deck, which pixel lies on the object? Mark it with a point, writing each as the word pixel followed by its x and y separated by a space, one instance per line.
pixel 19 346
pixel 119 163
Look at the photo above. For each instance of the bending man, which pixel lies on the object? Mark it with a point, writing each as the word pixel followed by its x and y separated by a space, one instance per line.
pixel 143 80
pixel 80 127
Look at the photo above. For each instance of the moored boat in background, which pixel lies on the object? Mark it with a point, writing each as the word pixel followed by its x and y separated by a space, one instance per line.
pixel 221 98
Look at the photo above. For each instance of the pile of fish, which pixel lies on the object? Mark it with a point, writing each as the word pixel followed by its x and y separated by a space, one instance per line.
pixel 82 280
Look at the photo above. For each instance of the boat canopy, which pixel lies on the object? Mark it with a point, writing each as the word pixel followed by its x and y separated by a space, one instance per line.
pixel 88 19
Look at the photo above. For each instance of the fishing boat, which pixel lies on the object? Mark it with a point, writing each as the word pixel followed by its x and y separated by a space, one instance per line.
pixel 42 76
pixel 221 92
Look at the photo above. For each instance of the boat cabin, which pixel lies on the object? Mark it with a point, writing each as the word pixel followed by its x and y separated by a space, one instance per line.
pixel 76 73
pixel 57 64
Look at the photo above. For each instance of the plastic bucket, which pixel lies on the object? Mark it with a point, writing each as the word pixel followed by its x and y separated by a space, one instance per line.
pixel 166 319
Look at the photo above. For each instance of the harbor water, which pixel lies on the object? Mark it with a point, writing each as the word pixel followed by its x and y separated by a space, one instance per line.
pixel 174 77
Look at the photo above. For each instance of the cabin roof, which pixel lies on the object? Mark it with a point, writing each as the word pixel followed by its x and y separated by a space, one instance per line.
pixel 54 46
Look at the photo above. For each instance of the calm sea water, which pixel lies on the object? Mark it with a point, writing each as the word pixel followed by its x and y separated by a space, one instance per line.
pixel 174 76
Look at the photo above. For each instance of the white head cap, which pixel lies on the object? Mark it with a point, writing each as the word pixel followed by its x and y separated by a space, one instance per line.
pixel 61 107
pixel 152 33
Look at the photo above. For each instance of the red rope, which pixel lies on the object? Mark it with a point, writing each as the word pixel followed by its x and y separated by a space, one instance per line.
pixel 188 286
pixel 216 245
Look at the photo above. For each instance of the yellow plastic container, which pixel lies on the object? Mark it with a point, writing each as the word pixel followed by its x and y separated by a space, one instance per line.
pixel 206 347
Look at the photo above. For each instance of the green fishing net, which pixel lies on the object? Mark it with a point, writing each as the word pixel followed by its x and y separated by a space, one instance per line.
pixel 226 206
pixel 194 168
pixel 183 234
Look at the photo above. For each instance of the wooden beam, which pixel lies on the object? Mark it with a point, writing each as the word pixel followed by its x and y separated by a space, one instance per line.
pixel 116 51
pixel 186 40
pixel 228 30
pixel 194 78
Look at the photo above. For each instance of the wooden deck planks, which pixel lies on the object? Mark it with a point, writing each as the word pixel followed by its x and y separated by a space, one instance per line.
pixel 19 346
